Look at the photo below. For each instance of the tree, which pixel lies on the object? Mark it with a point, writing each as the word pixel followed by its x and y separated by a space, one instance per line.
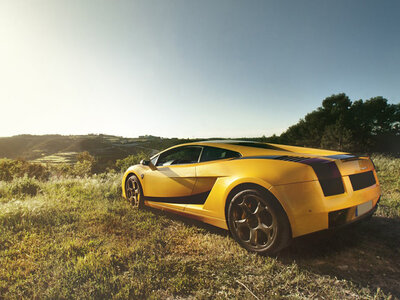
pixel 342 125
pixel 338 137
pixel 85 164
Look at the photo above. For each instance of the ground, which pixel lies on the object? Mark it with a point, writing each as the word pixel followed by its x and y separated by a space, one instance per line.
pixel 77 238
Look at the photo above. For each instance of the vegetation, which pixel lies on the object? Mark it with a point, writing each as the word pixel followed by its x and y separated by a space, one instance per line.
pixel 58 149
pixel 359 126
pixel 388 169
pixel 71 237
pixel 339 124
pixel 10 169
pixel 86 165
pixel 123 164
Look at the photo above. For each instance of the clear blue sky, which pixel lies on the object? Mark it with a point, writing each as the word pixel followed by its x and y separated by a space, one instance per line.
pixel 189 68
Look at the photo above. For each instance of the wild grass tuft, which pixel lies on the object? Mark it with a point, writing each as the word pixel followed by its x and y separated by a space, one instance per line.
pixel 388 170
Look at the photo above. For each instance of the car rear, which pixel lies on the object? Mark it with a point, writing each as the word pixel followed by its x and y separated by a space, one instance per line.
pixel 345 189
pixel 362 188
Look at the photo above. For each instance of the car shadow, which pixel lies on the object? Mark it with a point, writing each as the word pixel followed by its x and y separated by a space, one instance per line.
pixel 189 221
pixel 368 254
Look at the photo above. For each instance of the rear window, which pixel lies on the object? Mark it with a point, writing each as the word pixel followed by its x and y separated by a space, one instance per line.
pixel 211 153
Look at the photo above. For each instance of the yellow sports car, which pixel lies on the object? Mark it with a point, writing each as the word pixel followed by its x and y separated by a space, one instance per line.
pixel 264 194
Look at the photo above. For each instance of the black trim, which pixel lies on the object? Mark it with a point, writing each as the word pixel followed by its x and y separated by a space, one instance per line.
pixel 292 158
pixel 261 157
pixel 362 180
pixel 328 174
pixel 192 199
pixel 338 219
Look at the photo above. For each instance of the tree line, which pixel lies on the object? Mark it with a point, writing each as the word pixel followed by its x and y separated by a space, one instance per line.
pixel 340 124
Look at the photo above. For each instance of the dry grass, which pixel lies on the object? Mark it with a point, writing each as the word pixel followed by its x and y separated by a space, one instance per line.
pixel 78 239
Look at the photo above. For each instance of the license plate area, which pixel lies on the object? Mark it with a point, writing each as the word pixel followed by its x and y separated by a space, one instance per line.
pixel 363 208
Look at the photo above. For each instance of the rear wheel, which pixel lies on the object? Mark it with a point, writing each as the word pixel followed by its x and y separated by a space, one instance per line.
pixel 133 192
pixel 258 222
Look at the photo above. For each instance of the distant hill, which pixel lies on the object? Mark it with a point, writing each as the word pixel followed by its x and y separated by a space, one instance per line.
pixel 61 148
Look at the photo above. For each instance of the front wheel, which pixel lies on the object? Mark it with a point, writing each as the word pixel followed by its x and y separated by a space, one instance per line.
pixel 133 192
pixel 258 222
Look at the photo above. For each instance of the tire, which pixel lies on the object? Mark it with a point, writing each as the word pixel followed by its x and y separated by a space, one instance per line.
pixel 133 192
pixel 258 222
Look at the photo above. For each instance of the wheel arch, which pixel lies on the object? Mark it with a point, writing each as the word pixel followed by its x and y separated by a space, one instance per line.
pixel 128 174
pixel 251 185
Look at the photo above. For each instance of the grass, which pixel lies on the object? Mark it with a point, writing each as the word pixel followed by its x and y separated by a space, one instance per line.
pixel 76 238
pixel 389 176
pixel 57 158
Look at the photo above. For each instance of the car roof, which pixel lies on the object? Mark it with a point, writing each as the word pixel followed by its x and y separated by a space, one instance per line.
pixel 252 148
pixel 243 147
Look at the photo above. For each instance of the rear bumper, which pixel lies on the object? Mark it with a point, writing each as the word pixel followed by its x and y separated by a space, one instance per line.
pixel 308 210
pixel 344 217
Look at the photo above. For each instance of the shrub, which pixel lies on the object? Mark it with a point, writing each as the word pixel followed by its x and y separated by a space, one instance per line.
pixel 125 163
pixel 35 170
pixel 82 168
pixel 3 190
pixel 85 165
pixel 85 156
pixel 6 166
pixel 61 169
pixel 24 186
pixel 10 169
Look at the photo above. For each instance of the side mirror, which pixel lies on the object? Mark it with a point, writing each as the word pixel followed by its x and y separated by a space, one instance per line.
pixel 145 162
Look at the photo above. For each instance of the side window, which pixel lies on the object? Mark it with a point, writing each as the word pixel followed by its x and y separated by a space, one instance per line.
pixel 211 153
pixel 177 156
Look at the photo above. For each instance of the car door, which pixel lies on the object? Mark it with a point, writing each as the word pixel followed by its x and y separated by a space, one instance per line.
pixel 210 168
pixel 173 179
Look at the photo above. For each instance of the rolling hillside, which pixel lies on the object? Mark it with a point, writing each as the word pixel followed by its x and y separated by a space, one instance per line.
pixel 60 148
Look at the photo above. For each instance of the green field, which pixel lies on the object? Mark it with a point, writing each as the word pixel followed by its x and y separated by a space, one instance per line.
pixel 77 238
pixel 57 158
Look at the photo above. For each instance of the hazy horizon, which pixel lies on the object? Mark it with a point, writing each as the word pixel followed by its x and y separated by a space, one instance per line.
pixel 189 69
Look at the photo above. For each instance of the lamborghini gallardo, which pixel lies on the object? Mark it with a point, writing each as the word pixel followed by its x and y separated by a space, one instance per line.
pixel 264 194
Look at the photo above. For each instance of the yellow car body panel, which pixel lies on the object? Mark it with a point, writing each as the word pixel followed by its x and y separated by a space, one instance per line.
pixel 201 190
pixel 170 181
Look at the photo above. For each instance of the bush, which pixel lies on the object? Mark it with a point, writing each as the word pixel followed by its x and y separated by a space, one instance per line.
pixel 24 186
pixel 125 163
pixel 61 169
pixel 82 168
pixel 85 165
pixel 6 166
pixel 10 169
pixel 35 170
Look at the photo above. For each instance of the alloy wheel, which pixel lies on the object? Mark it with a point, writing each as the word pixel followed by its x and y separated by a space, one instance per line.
pixel 132 189
pixel 254 222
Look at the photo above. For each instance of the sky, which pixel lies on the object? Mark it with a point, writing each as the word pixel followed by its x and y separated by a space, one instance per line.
pixel 189 68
